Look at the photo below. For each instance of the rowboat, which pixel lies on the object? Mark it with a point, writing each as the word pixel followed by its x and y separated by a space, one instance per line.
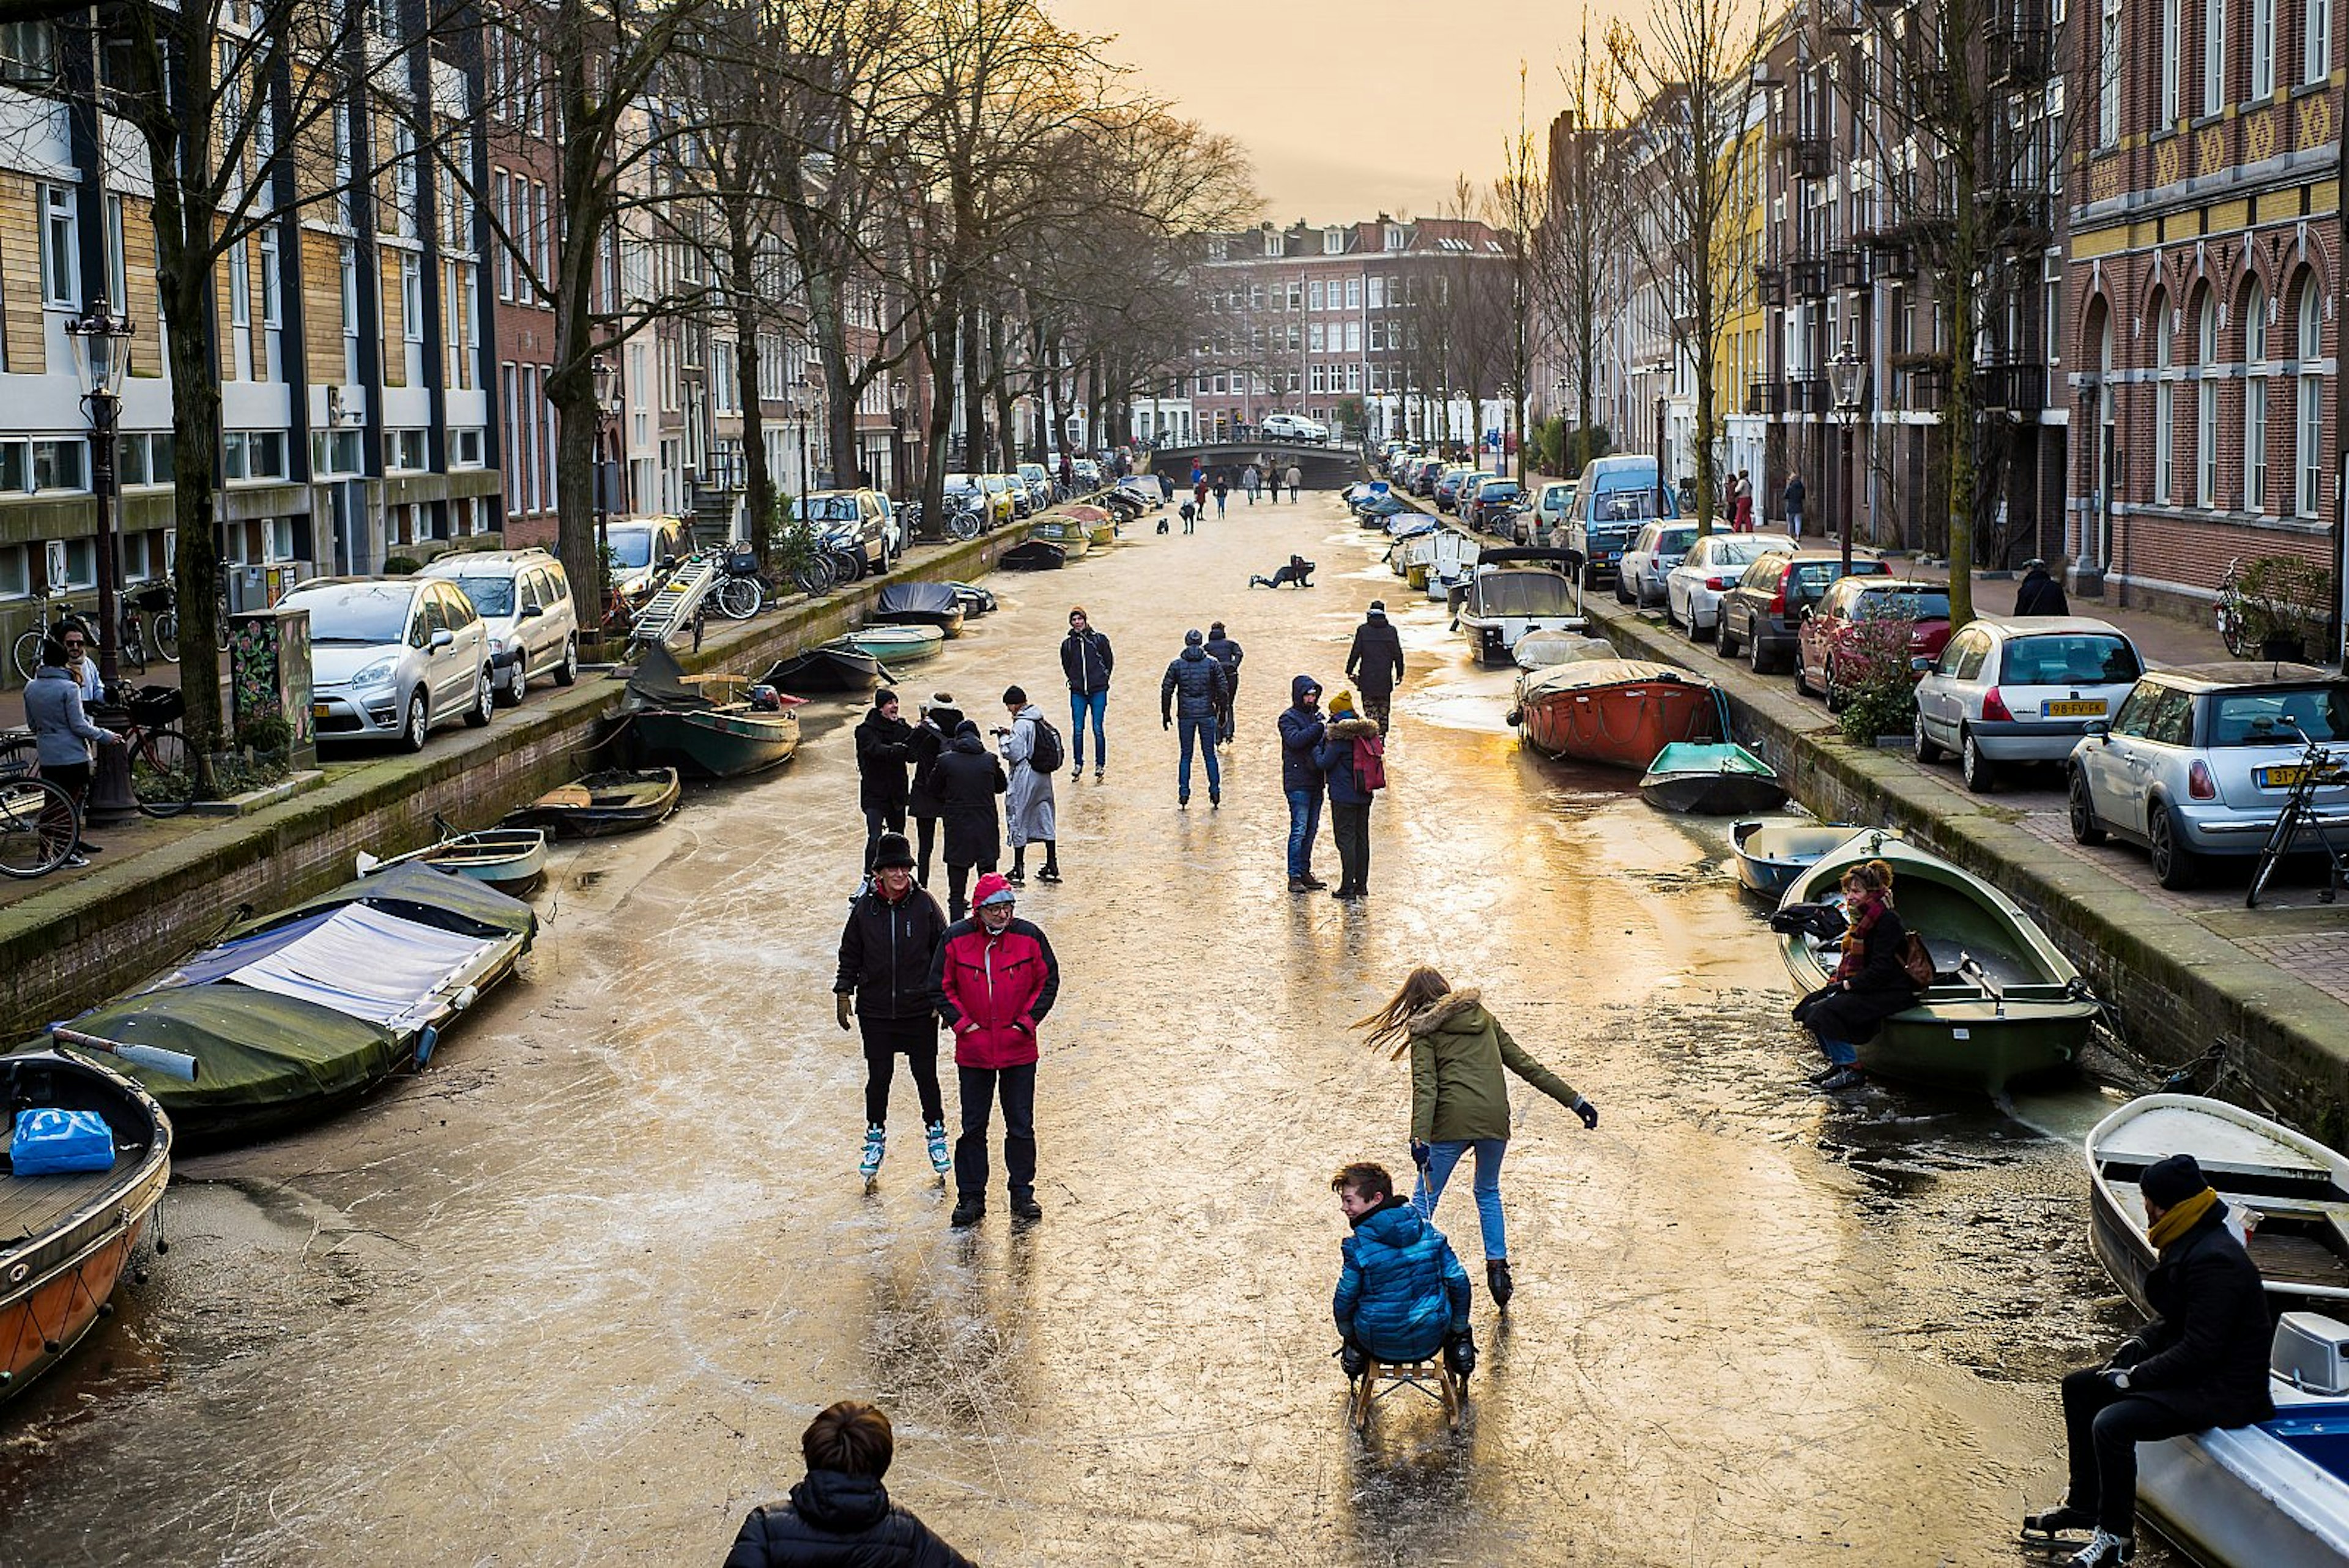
pixel 619 800
pixel 66 1239
pixel 300 1013
pixel 510 860
pixel 1717 778
pixel 2004 1005
pixel 1100 527
pixel 918 604
pixel 1065 532
pixel 897 644
pixel 836 666
pixel 1617 711
pixel 707 725
pixel 1771 855
pixel 1034 556
pixel 2272 1494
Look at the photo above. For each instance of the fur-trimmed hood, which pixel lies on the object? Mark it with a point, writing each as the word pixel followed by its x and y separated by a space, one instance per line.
pixel 1436 1015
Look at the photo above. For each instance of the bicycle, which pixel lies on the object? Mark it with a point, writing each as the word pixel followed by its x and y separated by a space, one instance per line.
pixel 163 763
pixel 743 591
pixel 29 646
pixel 2234 626
pixel 2316 769
pixel 159 634
pixel 39 824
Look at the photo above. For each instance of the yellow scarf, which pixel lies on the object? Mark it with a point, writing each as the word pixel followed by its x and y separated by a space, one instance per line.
pixel 2175 1222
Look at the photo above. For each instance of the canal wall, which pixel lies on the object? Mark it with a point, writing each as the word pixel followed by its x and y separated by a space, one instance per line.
pixel 70 945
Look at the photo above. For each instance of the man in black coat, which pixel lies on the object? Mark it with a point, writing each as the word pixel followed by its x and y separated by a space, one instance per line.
pixel 885 751
pixel 1375 663
pixel 885 949
pixel 968 778
pixel 841 1515
pixel 2202 1362
pixel 2039 592
pixel 1227 653
pixel 1193 691
pixel 941 719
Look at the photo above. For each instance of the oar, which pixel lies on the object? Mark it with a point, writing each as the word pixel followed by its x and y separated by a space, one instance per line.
pixel 154 1058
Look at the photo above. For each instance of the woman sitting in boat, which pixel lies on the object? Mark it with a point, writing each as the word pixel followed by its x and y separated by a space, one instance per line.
pixel 1869 984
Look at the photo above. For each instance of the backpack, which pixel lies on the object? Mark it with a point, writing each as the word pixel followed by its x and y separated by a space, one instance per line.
pixel 1370 763
pixel 1918 959
pixel 1047 755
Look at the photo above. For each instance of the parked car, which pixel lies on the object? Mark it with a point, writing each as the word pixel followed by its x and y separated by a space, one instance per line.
pixel 1455 483
pixel 1655 550
pixel 1763 613
pixel 1550 506
pixel 1712 566
pixel 2198 760
pixel 1294 427
pixel 1039 485
pixel 1614 496
pixel 1088 472
pixel 1425 472
pixel 392 657
pixel 2021 690
pixel 524 602
pixel 1832 631
pixel 856 524
pixel 997 496
pixel 1491 496
pixel 643 550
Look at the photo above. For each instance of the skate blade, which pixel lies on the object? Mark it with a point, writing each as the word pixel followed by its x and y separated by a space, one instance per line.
pixel 2051 1544
pixel 872 1183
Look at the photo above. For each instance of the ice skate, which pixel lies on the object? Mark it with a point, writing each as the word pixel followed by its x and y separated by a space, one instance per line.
pixel 939 1159
pixel 876 1145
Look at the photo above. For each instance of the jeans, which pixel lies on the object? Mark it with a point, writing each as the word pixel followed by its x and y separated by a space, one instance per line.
pixel 1795 520
pixel 886 1040
pixel 1219 506
pixel 1351 826
pixel 878 820
pixel 1226 722
pixel 980 1087
pixel 1201 732
pixel 1428 1190
pixel 1079 704
pixel 1304 826
pixel 2102 1428
pixel 1840 1053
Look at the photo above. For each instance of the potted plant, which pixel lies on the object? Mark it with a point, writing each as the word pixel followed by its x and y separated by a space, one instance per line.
pixel 2287 604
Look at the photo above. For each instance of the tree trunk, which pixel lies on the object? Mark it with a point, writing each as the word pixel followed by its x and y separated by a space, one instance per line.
pixel 999 368
pixel 974 399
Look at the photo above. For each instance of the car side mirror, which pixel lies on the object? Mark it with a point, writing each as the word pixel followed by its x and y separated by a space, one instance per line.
pixel 2098 727
pixel 668 563
pixel 532 611
pixel 1920 665
pixel 444 638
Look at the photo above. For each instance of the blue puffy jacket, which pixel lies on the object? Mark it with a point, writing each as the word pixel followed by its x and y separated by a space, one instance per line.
pixel 1300 732
pixel 1401 1290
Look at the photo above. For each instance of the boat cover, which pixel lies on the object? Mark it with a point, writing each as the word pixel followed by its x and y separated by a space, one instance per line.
pixel 417 892
pixel 365 964
pixel 660 682
pixel 1590 673
pixel 255 1047
pixel 1544 649
pixel 917 599
pixel 1520 593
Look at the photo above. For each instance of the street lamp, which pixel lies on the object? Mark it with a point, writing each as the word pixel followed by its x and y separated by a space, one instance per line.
pixel 1662 510
pixel 603 385
pixel 99 338
pixel 897 437
pixel 1846 373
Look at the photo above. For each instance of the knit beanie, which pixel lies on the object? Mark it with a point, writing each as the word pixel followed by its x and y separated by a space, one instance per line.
pixel 1341 706
pixel 2172 1181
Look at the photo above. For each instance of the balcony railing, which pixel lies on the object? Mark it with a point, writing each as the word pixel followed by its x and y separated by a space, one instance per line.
pixel 1806 276
pixel 2019 53
pixel 2016 387
pixel 1810 155
pixel 1770 285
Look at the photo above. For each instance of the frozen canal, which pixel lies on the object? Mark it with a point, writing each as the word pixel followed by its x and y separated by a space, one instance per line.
pixel 570 1297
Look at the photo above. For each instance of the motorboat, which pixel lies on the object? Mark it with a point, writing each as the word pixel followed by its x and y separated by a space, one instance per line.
pixel 918 604
pixel 894 645
pixel 1771 855
pixel 1452 560
pixel 1537 651
pixel 712 726
pixel 1034 556
pixel 1711 778
pixel 976 600
pixel 1514 591
pixel 510 860
pixel 598 805
pixel 1068 532
pixel 2004 1003
pixel 835 666
pixel 1617 711
pixel 2273 1493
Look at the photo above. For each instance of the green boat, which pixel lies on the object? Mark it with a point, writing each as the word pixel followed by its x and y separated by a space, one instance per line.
pixel 2004 1003
pixel 1710 779
pixel 1068 532
pixel 896 645
pixel 711 726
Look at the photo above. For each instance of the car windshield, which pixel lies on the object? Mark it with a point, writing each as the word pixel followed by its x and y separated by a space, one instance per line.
pixel 2280 715
pixel 490 595
pixel 2080 659
pixel 1737 550
pixel 1523 593
pixel 1902 603
pixel 1505 491
pixel 831 509
pixel 1625 506
pixel 632 546
pixel 358 612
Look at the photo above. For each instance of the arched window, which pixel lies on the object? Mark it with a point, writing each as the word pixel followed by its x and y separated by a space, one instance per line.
pixel 2255 398
pixel 2205 403
pixel 2309 449
pixel 2163 391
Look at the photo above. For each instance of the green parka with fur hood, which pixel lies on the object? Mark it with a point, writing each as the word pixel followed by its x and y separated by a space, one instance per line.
pixel 1458 1052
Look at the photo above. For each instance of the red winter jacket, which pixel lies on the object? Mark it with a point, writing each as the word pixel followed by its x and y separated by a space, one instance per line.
pixel 995 991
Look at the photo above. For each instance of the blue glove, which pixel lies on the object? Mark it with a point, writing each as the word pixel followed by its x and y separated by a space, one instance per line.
pixel 1587 1112
pixel 1419 1153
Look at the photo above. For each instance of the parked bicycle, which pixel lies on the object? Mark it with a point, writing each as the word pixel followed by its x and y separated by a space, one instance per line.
pixel 2318 768
pixel 744 590
pixel 162 762
pixel 2234 626
pixel 39 825
pixel 150 623
pixel 44 625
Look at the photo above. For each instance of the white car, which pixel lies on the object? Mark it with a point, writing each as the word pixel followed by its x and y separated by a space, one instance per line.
pixel 391 656
pixel 1294 427
pixel 524 601
pixel 2021 689
pixel 1657 549
pixel 1692 589
pixel 1550 506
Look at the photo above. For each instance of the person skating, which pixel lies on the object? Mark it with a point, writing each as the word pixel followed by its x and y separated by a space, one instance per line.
pixel 940 718
pixel 893 931
pixel 885 751
pixel 1086 660
pixel 1459 1100
pixel 1190 510
pixel 1223 491
pixel 996 978
pixel 1870 982
pixel 1227 653
pixel 840 1514
pixel 1028 795
pixel 1401 1294
pixel 1301 728
pixel 1374 663
pixel 968 778
pixel 1351 792
pixel 1193 691
pixel 2039 592
pixel 2201 1363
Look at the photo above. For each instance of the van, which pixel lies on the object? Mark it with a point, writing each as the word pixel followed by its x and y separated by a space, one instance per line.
pixel 1614 497
pixel 524 602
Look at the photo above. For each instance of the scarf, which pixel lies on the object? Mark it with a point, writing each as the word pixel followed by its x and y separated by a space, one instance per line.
pixel 2175 1222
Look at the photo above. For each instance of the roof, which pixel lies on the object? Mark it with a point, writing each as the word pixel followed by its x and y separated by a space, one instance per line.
pixel 455 561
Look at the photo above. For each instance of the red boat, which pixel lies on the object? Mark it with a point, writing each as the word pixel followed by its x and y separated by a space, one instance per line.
pixel 1618 712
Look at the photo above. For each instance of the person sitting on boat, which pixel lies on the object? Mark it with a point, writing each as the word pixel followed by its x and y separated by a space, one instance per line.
pixel 1401 1294
pixel 1869 984
pixel 2202 1362
pixel 842 1513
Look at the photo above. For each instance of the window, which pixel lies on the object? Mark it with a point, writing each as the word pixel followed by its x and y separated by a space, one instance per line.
pixel 403 451
pixel 1353 337
pixel 1313 294
pixel 465 447
pixel 343 179
pixel 1378 292
pixel 272 312
pixel 501 199
pixel 2263 49
pixel 1353 293
pixel 60 248
pixel 2255 400
pixel 2170 61
pixel 403 181
pixel 2108 76
pixel 1393 238
pixel 2310 446
pixel 252 454
pixel 44 463
pixel 2316 41
pixel 1316 339
pixel 1274 244
pixel 335 451
pixel 1333 242
pixel 2214 56
pixel 118 283
pixel 2163 390
pixel 2206 415
pixel 28 53
pixel 350 272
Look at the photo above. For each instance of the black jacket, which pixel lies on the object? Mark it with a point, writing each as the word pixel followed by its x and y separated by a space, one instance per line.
pixel 2040 594
pixel 1375 664
pixel 1227 652
pixel 968 778
pixel 1087 661
pixel 885 749
pixel 1880 990
pixel 886 950
pixel 930 738
pixel 836 1520
pixel 2208 1349
pixel 1193 687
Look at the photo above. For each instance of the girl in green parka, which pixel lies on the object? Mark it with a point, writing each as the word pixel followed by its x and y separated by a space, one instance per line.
pixel 1459 1100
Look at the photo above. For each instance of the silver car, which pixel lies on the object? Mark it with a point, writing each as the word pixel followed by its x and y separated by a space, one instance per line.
pixel 2021 690
pixel 524 601
pixel 1650 559
pixel 392 657
pixel 1712 566
pixel 2198 761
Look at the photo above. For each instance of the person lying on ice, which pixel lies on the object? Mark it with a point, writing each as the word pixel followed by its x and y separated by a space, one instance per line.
pixel 1401 1295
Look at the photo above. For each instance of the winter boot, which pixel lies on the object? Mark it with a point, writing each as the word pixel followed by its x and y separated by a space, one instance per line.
pixel 1214 797
pixel 940 1161
pixel 2105 1550
pixel 1018 875
pixel 2058 1519
pixel 1024 1207
pixel 876 1141
pixel 968 1211
pixel 1497 1283
pixel 1051 871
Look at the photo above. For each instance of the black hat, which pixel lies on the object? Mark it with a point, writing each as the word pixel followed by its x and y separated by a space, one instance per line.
pixel 1192 638
pixel 883 696
pixel 891 850
pixel 2172 1181
pixel 1015 697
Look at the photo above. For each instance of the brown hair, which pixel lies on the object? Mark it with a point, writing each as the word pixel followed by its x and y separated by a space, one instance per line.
pixel 1873 876
pixel 1076 611
pixel 851 1437
pixel 1391 1025
pixel 1363 1179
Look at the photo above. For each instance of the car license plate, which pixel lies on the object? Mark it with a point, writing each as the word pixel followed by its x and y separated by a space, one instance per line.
pixel 320 711
pixel 2288 776
pixel 2078 709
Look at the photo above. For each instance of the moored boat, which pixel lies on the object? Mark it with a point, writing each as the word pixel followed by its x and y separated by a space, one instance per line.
pixel 1617 711
pixel 619 800
pixel 510 860
pixel 1100 527
pixel 1512 592
pixel 1034 556
pixel 918 604
pixel 66 1239
pixel 2273 1493
pixel 894 645
pixel 1065 532
pixel 707 725
pixel 2005 1003
pixel 1718 778
pixel 976 600
pixel 835 666
pixel 1771 855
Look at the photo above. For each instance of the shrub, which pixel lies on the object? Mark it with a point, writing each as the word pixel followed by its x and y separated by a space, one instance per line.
pixel 1880 695
pixel 2285 600
pixel 400 566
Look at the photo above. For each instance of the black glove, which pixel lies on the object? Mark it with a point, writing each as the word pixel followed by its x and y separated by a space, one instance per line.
pixel 1587 1112
pixel 2116 1377
pixel 1165 721
pixel 2129 1352
pixel 1460 1353
pixel 1352 1360
pixel 1419 1153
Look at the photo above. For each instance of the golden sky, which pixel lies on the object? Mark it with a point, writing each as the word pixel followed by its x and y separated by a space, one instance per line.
pixel 1350 109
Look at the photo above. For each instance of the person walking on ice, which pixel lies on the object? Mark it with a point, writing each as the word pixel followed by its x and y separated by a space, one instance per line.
pixel 1032 755
pixel 884 981
pixel 996 978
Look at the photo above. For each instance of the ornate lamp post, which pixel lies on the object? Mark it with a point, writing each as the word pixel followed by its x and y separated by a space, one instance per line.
pixel 897 439
pixel 99 341
pixel 1847 374
pixel 604 382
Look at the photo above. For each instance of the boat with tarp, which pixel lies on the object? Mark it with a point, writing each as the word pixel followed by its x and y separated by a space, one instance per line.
pixel 711 726
pixel 920 604
pixel 835 666
pixel 1617 712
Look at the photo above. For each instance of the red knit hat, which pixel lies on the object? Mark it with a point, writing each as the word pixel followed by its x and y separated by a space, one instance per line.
pixel 990 885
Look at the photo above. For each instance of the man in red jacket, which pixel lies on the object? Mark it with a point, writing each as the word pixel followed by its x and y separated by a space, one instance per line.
pixel 996 978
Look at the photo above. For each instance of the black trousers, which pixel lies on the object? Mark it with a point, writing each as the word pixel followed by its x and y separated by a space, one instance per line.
pixel 886 1040
pixel 878 820
pixel 927 827
pixel 959 887
pixel 1375 706
pixel 2103 1426
pixel 1351 826
pixel 981 1088
pixel 74 779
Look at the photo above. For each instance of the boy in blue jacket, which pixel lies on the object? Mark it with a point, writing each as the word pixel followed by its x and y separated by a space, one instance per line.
pixel 1402 1294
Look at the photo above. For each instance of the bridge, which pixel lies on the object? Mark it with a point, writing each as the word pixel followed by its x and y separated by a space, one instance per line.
pixel 1319 467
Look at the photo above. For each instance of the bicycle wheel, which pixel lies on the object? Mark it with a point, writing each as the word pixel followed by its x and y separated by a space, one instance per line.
pixel 132 649
pixel 738 598
pixel 28 653
pixel 963 525
pixel 163 773
pixel 813 575
pixel 167 636
pixel 38 826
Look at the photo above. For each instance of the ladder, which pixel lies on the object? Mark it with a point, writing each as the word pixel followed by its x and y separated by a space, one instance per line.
pixel 674 606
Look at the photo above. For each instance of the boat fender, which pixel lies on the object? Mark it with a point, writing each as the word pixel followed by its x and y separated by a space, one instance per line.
pixel 1514 717
pixel 466 998
pixel 424 1045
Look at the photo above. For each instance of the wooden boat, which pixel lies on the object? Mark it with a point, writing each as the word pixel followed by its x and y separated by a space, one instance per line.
pixel 918 604
pixel 707 725
pixel 1771 855
pixel 1718 778
pixel 1617 711
pixel 897 644
pixel 1034 556
pixel 1100 527
pixel 2005 1004
pixel 510 860
pixel 2291 1192
pixel 1065 532
pixel 66 1239
pixel 597 805
pixel 835 666
pixel 302 1011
